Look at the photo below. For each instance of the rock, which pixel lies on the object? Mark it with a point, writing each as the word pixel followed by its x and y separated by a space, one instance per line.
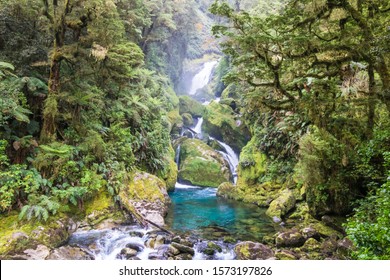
pixel 128 253
pixel 160 240
pixel 285 255
pixel 281 205
pixel 226 190
pixel 175 122
pixel 183 257
pixel 172 251
pixel 146 196
pixel 183 248
pixel 137 247
pixel 310 232
pixel 40 253
pixel 221 122
pixel 311 245
pixel 229 239
pixel 170 172
pixel 252 251
pixel 190 106
pixel 69 253
pixel 201 165
pixel 187 119
pixel 155 256
pixel 211 248
pixel 291 238
pixel 17 236
pixel 326 231
pixel 136 234
pixel 329 246
pixel 345 247
pixel 176 239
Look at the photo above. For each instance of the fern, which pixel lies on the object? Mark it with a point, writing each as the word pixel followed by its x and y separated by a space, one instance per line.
pixel 39 208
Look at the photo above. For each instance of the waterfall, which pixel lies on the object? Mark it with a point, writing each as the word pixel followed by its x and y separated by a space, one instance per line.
pixel 198 128
pixel 231 157
pixel 201 79
pixel 177 156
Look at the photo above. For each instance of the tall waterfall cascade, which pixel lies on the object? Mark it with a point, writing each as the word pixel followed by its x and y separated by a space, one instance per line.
pixel 201 79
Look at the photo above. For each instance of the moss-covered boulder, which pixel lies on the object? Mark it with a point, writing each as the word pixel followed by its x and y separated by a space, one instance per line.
pixel 19 236
pixel 190 106
pixel 221 122
pixel 170 171
pixel 290 238
pixel 253 251
pixel 201 165
pixel 252 165
pixel 187 119
pixel 281 205
pixel 146 198
pixel 175 121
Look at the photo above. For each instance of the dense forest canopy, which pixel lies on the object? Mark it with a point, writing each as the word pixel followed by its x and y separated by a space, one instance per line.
pixel 89 94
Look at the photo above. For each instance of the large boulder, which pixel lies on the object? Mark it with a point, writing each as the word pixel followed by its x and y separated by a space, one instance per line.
pixel 24 238
pixel 190 106
pixel 281 205
pixel 69 253
pixel 201 165
pixel 222 123
pixel 253 251
pixel 146 198
pixel 290 238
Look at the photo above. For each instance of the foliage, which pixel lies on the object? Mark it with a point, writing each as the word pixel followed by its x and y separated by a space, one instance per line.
pixel 369 227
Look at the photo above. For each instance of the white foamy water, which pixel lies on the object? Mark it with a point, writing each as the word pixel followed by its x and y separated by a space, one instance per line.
pixel 201 79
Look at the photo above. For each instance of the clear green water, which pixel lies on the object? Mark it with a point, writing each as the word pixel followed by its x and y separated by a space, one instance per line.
pixel 200 212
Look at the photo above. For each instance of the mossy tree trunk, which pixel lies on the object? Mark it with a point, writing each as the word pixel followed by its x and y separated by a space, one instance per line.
pixel 58 21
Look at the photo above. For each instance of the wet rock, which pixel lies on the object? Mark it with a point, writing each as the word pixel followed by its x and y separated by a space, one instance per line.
pixel 201 165
pixel 136 234
pixel 155 256
pixel 183 249
pixel 40 253
pixel 146 196
pixel 329 246
pixel 229 239
pixel 345 247
pixel 128 253
pixel 160 240
pixel 69 253
pixel 310 245
pixel 183 257
pixel 291 238
pixel 222 123
pixel 211 248
pixel 172 251
pixel 286 255
pixel 252 251
pixel 187 119
pixel 310 232
pixel 284 203
pixel 134 246
pixel 176 239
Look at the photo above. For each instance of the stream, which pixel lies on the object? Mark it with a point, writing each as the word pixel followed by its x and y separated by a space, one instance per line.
pixel 195 212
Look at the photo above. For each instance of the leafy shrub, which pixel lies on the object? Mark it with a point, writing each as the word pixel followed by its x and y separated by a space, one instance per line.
pixel 369 227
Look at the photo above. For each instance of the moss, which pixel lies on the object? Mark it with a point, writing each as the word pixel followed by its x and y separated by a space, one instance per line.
pixel 282 204
pixel 171 177
pixel 17 236
pixel 175 121
pixel 187 119
pixel 144 186
pixel 191 106
pixel 252 166
pixel 221 122
pixel 202 166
